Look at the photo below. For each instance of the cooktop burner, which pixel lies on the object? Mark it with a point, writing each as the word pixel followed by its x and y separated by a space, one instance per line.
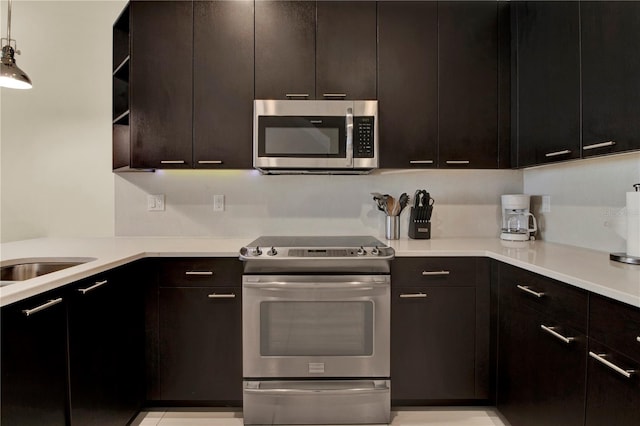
pixel 320 253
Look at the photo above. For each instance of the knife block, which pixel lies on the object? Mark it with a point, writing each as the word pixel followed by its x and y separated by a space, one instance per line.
pixel 419 229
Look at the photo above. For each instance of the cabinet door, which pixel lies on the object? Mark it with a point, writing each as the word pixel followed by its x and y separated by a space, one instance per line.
pixel 201 344
pixel 408 83
pixel 433 338
pixel 547 93
pixel 541 378
pixel 106 349
pixel 223 84
pixel 346 50
pixel 610 70
pixel 468 89
pixel 285 49
pixel 161 84
pixel 612 398
pixel 34 363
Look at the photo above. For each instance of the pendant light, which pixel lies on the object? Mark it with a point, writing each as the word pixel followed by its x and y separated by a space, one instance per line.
pixel 11 75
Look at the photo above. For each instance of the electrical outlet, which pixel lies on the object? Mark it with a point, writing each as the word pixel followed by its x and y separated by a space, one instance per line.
pixel 546 204
pixel 218 203
pixel 155 203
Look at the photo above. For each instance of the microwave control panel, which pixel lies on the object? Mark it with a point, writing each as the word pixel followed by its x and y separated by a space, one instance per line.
pixel 363 137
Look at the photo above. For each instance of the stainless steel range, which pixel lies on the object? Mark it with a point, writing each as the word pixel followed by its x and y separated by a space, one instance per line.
pixel 316 325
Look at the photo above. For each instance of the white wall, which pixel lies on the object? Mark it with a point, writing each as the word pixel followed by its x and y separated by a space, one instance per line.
pixel 55 150
pixel 586 200
pixel 467 202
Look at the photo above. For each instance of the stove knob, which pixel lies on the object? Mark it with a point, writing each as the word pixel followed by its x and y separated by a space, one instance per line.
pixel 361 251
pixel 375 251
pixel 272 252
pixel 257 251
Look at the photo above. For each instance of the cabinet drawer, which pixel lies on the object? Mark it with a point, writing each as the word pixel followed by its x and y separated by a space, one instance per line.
pixel 615 324
pixel 558 301
pixel 200 272
pixel 434 271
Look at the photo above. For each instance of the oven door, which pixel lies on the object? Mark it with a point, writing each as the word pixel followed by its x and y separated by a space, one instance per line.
pixel 320 326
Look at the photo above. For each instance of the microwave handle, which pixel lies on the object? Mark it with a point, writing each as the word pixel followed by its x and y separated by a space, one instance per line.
pixel 349 120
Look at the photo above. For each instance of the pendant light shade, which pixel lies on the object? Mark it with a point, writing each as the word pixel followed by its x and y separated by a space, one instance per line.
pixel 11 76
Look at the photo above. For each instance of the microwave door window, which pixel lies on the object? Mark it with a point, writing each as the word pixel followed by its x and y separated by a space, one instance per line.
pixel 302 140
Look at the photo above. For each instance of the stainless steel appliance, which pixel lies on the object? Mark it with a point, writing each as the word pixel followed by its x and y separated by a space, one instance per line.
pixel 316 330
pixel 328 136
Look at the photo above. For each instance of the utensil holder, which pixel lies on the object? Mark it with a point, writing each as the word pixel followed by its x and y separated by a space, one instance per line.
pixel 392 228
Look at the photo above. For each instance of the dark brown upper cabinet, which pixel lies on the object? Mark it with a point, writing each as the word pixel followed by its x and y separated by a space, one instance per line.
pixel 161 84
pixel 468 84
pixel 315 50
pixel 285 40
pixel 408 83
pixel 610 76
pixel 547 81
pixel 223 84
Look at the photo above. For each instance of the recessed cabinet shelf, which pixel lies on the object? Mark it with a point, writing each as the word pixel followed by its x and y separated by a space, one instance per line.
pixel 122 71
pixel 122 118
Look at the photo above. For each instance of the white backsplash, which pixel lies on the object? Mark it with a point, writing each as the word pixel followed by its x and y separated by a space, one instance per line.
pixel 467 202
pixel 587 200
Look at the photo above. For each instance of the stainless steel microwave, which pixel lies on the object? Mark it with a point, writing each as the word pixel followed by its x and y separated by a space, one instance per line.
pixel 295 136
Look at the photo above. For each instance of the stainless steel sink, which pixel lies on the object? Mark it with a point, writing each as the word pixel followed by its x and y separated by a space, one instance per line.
pixel 21 270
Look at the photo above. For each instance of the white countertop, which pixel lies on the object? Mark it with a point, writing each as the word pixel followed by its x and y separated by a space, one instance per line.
pixel 588 269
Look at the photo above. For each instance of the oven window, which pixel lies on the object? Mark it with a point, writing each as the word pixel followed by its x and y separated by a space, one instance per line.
pixel 316 328
pixel 322 137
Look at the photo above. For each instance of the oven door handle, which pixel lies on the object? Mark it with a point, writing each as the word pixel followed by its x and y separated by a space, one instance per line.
pixel 290 285
pixel 340 391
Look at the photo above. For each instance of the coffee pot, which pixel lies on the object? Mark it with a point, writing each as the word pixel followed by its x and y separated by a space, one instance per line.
pixel 516 218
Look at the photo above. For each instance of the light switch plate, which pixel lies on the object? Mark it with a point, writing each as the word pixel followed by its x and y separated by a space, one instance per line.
pixel 218 203
pixel 546 204
pixel 155 203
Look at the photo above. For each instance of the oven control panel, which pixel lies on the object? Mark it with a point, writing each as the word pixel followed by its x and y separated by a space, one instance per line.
pixel 306 253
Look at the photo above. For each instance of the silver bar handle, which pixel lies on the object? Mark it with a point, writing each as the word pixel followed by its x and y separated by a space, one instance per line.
pixel 551 330
pixel 458 162
pixel 349 120
pixel 621 371
pixel 599 145
pixel 172 162
pixel 421 162
pixel 526 289
pixel 413 295
pixel 432 273
pixel 93 287
pixel 42 307
pixel 638 339
pixel 199 273
pixel 334 95
pixel 221 296
pixel 209 161
pixel 556 153
pixel 297 95
pixel 365 390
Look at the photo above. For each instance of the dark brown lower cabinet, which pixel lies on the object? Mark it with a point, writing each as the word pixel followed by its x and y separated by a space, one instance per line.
pixel 34 362
pixel 200 345
pixel 106 349
pixel 541 377
pixel 433 344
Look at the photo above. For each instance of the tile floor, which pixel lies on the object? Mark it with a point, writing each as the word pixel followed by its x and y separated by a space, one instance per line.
pixel 431 416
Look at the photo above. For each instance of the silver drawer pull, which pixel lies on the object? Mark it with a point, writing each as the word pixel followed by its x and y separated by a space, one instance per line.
pixel 42 307
pixel 638 339
pixel 551 330
pixel 556 153
pixel 598 145
pixel 421 162
pixel 93 287
pixel 199 273
pixel 622 371
pixel 297 95
pixel 334 95
pixel 528 290
pixel 221 296
pixel 458 161
pixel 431 273
pixel 413 295
pixel 172 162
pixel 209 161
